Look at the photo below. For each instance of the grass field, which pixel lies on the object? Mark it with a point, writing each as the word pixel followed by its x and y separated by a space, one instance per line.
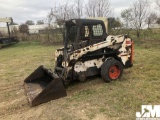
pixel 93 99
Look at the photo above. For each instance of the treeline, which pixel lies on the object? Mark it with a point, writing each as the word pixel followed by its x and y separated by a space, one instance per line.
pixel 135 17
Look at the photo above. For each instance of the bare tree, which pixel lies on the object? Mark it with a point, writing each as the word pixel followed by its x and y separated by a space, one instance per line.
pixel 103 8
pixel 78 8
pixel 57 15
pixel 139 15
pixel 62 13
pixel 90 8
pixel 71 12
pixel 98 8
pixel 158 3
pixel 158 21
pixel 50 19
pixel 126 15
pixel 151 19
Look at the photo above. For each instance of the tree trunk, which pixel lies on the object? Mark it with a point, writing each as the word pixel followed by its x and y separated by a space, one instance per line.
pixel 138 33
pixel 148 26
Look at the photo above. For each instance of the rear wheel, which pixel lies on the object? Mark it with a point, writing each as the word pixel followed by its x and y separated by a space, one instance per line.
pixel 111 70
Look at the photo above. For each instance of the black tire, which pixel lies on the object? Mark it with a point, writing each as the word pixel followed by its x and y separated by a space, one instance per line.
pixel 111 70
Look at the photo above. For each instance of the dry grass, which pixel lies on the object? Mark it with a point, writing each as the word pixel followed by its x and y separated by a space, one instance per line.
pixel 92 99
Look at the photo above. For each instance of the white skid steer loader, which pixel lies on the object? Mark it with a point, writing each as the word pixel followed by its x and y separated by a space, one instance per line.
pixel 87 51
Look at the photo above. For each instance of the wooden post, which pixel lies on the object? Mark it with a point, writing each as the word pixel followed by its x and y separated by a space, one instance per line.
pixel 8 30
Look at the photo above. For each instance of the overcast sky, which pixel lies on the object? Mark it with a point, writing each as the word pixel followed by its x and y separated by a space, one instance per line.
pixel 22 10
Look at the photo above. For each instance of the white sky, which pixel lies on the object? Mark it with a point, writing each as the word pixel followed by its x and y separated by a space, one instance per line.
pixel 22 10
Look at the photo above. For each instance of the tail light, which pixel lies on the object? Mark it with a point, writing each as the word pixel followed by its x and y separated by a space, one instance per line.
pixel 128 42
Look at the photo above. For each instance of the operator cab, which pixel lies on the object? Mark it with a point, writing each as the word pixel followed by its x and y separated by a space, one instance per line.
pixel 79 33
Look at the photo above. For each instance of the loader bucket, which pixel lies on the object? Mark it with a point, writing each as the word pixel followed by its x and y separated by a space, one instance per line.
pixel 42 86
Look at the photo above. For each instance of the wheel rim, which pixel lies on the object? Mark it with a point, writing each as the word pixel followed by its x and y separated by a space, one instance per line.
pixel 114 72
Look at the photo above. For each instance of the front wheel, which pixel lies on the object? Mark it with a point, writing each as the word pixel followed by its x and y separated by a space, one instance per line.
pixel 111 70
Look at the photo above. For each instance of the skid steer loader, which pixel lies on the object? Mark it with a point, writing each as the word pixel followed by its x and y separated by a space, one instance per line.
pixel 88 50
